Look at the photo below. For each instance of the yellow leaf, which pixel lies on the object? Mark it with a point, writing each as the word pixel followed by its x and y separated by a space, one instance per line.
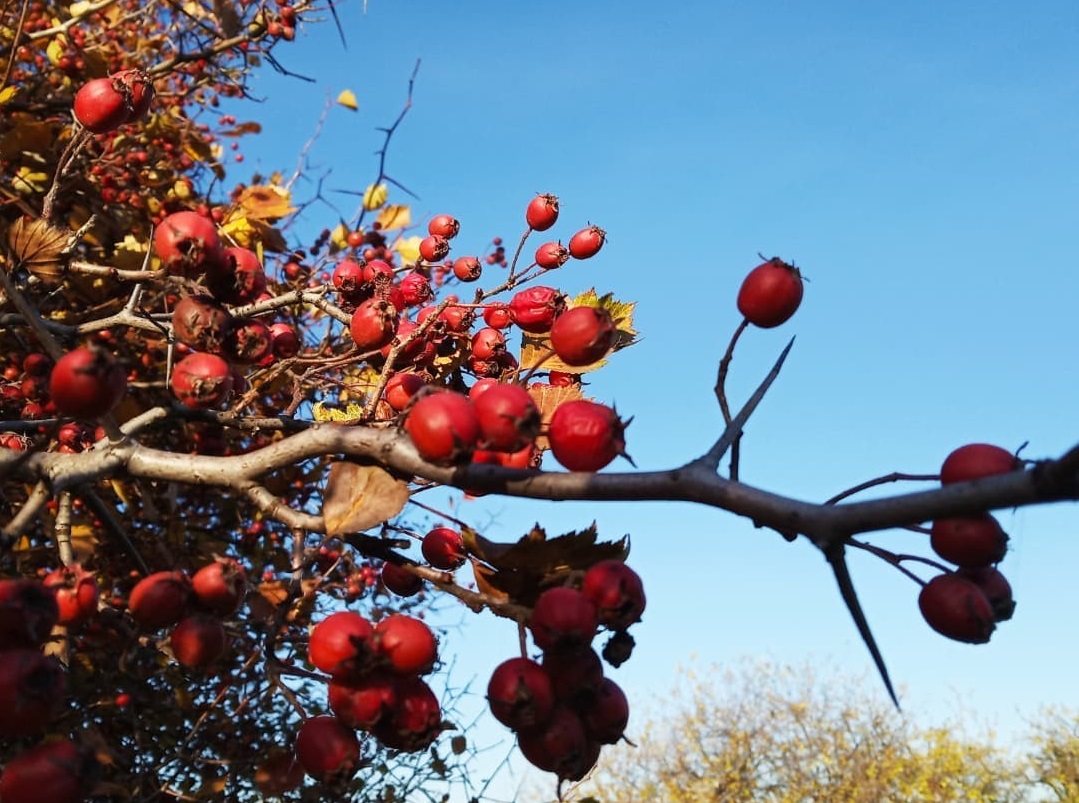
pixel 347 98
pixel 394 216
pixel 7 93
pixel 322 412
pixel 360 497
pixel 265 202
pixel 408 248
pixel 375 196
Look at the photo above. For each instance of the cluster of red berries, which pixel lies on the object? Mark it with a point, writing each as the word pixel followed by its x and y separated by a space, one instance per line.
pixel 562 708
pixel 967 603
pixel 375 686
pixel 33 686
pixel 194 607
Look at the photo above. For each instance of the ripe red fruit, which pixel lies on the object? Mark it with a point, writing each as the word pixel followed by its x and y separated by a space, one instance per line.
pixel 957 608
pixel 341 644
pixel 616 591
pixel 434 247
pixel 497 315
pixel 606 714
pixel 996 588
pixel 551 255
pixel 76 593
pixel 587 242
pixel 31 690
pixel 28 613
pixel 188 244
pixel 509 419
pixel 348 279
pixel 281 772
pixel 104 104
pixel 443 427
pixel 198 640
pixel 286 343
pixel 563 618
pixel 444 226
pixel 444 549
pixel 971 542
pixel 400 581
pixel 488 343
pixel 534 309
pixel 770 294
pixel 361 704
pixel 415 720
pixel 220 586
pixel 87 383
pixel 201 380
pixel 374 324
pixel 159 600
pixel 54 772
pixel 406 645
pixel 415 289
pixel 240 278
pixel 561 746
pixel 467 269
pixel 249 341
pixel 200 322
pixel 542 212
pixel 520 694
pixel 976 460
pixel 327 749
pixel 586 435
pixel 401 387
pixel 576 674
pixel 582 335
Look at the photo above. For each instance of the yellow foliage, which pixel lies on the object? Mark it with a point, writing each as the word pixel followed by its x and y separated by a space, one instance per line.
pixel 375 196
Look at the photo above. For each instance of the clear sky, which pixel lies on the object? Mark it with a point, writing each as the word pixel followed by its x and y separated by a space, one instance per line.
pixel 918 160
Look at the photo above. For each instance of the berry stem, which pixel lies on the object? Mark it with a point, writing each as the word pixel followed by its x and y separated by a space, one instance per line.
pixel 895 476
pixel 721 394
pixel 517 255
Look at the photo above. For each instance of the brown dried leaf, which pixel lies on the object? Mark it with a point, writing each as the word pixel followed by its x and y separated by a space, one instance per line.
pixel 359 497
pixel 547 399
pixel 39 247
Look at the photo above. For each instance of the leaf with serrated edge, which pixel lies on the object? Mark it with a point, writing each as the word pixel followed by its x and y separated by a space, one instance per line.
pixel 536 349
pixel 359 497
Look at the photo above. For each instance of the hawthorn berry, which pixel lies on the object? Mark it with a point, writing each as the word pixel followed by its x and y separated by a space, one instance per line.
pixel 976 460
pixel 187 244
pixel 520 694
pixel 342 644
pixel 443 427
pixel 219 587
pixel 534 309
pixel 508 417
pixel 327 749
pixel 770 294
pixel 467 269
pixel 444 226
pixel 201 322
pixel 563 618
pixel 201 380
pixel 405 645
pixel 401 387
pixel 198 640
pixel 606 713
pixel 444 549
pixel 361 703
pixel 159 600
pixel 582 335
pixel 400 581
pixel 414 721
pixel 542 212
pixel 551 255
pixel 434 247
pixel 971 542
pixel 616 591
pixel 57 771
pixel 585 435
pixel 31 691
pixel 996 588
pixel 76 593
pixel 957 608
pixel 374 324
pixel 87 383
pixel 561 746
pixel 587 242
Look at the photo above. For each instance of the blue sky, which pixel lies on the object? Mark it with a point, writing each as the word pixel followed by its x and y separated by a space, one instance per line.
pixel 917 160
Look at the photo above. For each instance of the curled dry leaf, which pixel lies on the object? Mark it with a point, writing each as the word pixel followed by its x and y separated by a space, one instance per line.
pixel 39 247
pixel 359 497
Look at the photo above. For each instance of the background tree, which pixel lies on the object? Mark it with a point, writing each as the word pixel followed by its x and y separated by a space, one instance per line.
pixel 189 387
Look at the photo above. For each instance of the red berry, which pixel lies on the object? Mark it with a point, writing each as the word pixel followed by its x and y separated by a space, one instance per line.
pixel 444 549
pixel 587 242
pixel 976 460
pixel 406 645
pixel 138 92
pixel 327 749
pixel 616 591
pixel 582 335
pixel 996 587
pixel 202 323
pixel 220 586
pixel 374 324
pixel 443 427
pixel 400 581
pixel 606 714
pixel 198 640
pixel 415 289
pixel 188 244
pixel 434 248
pixel 444 226
pixel 563 618
pixel 561 746
pixel 415 720
pixel 401 387
pixel 551 255
pixel 508 417
pixel 249 341
pixel 770 294
pixel 520 694
pixel 55 771
pixel 100 106
pixel 31 691
pixel 239 279
pixel 341 644
pixel 76 593
pixel 467 269
pixel 542 212
pixel 362 703
pixel 201 380
pixel 576 673
pixel 497 315
pixel 534 309
pixel 957 608
pixel 971 542
pixel 348 279
pixel 87 383
pixel 586 435
pixel 286 343
pixel 159 600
